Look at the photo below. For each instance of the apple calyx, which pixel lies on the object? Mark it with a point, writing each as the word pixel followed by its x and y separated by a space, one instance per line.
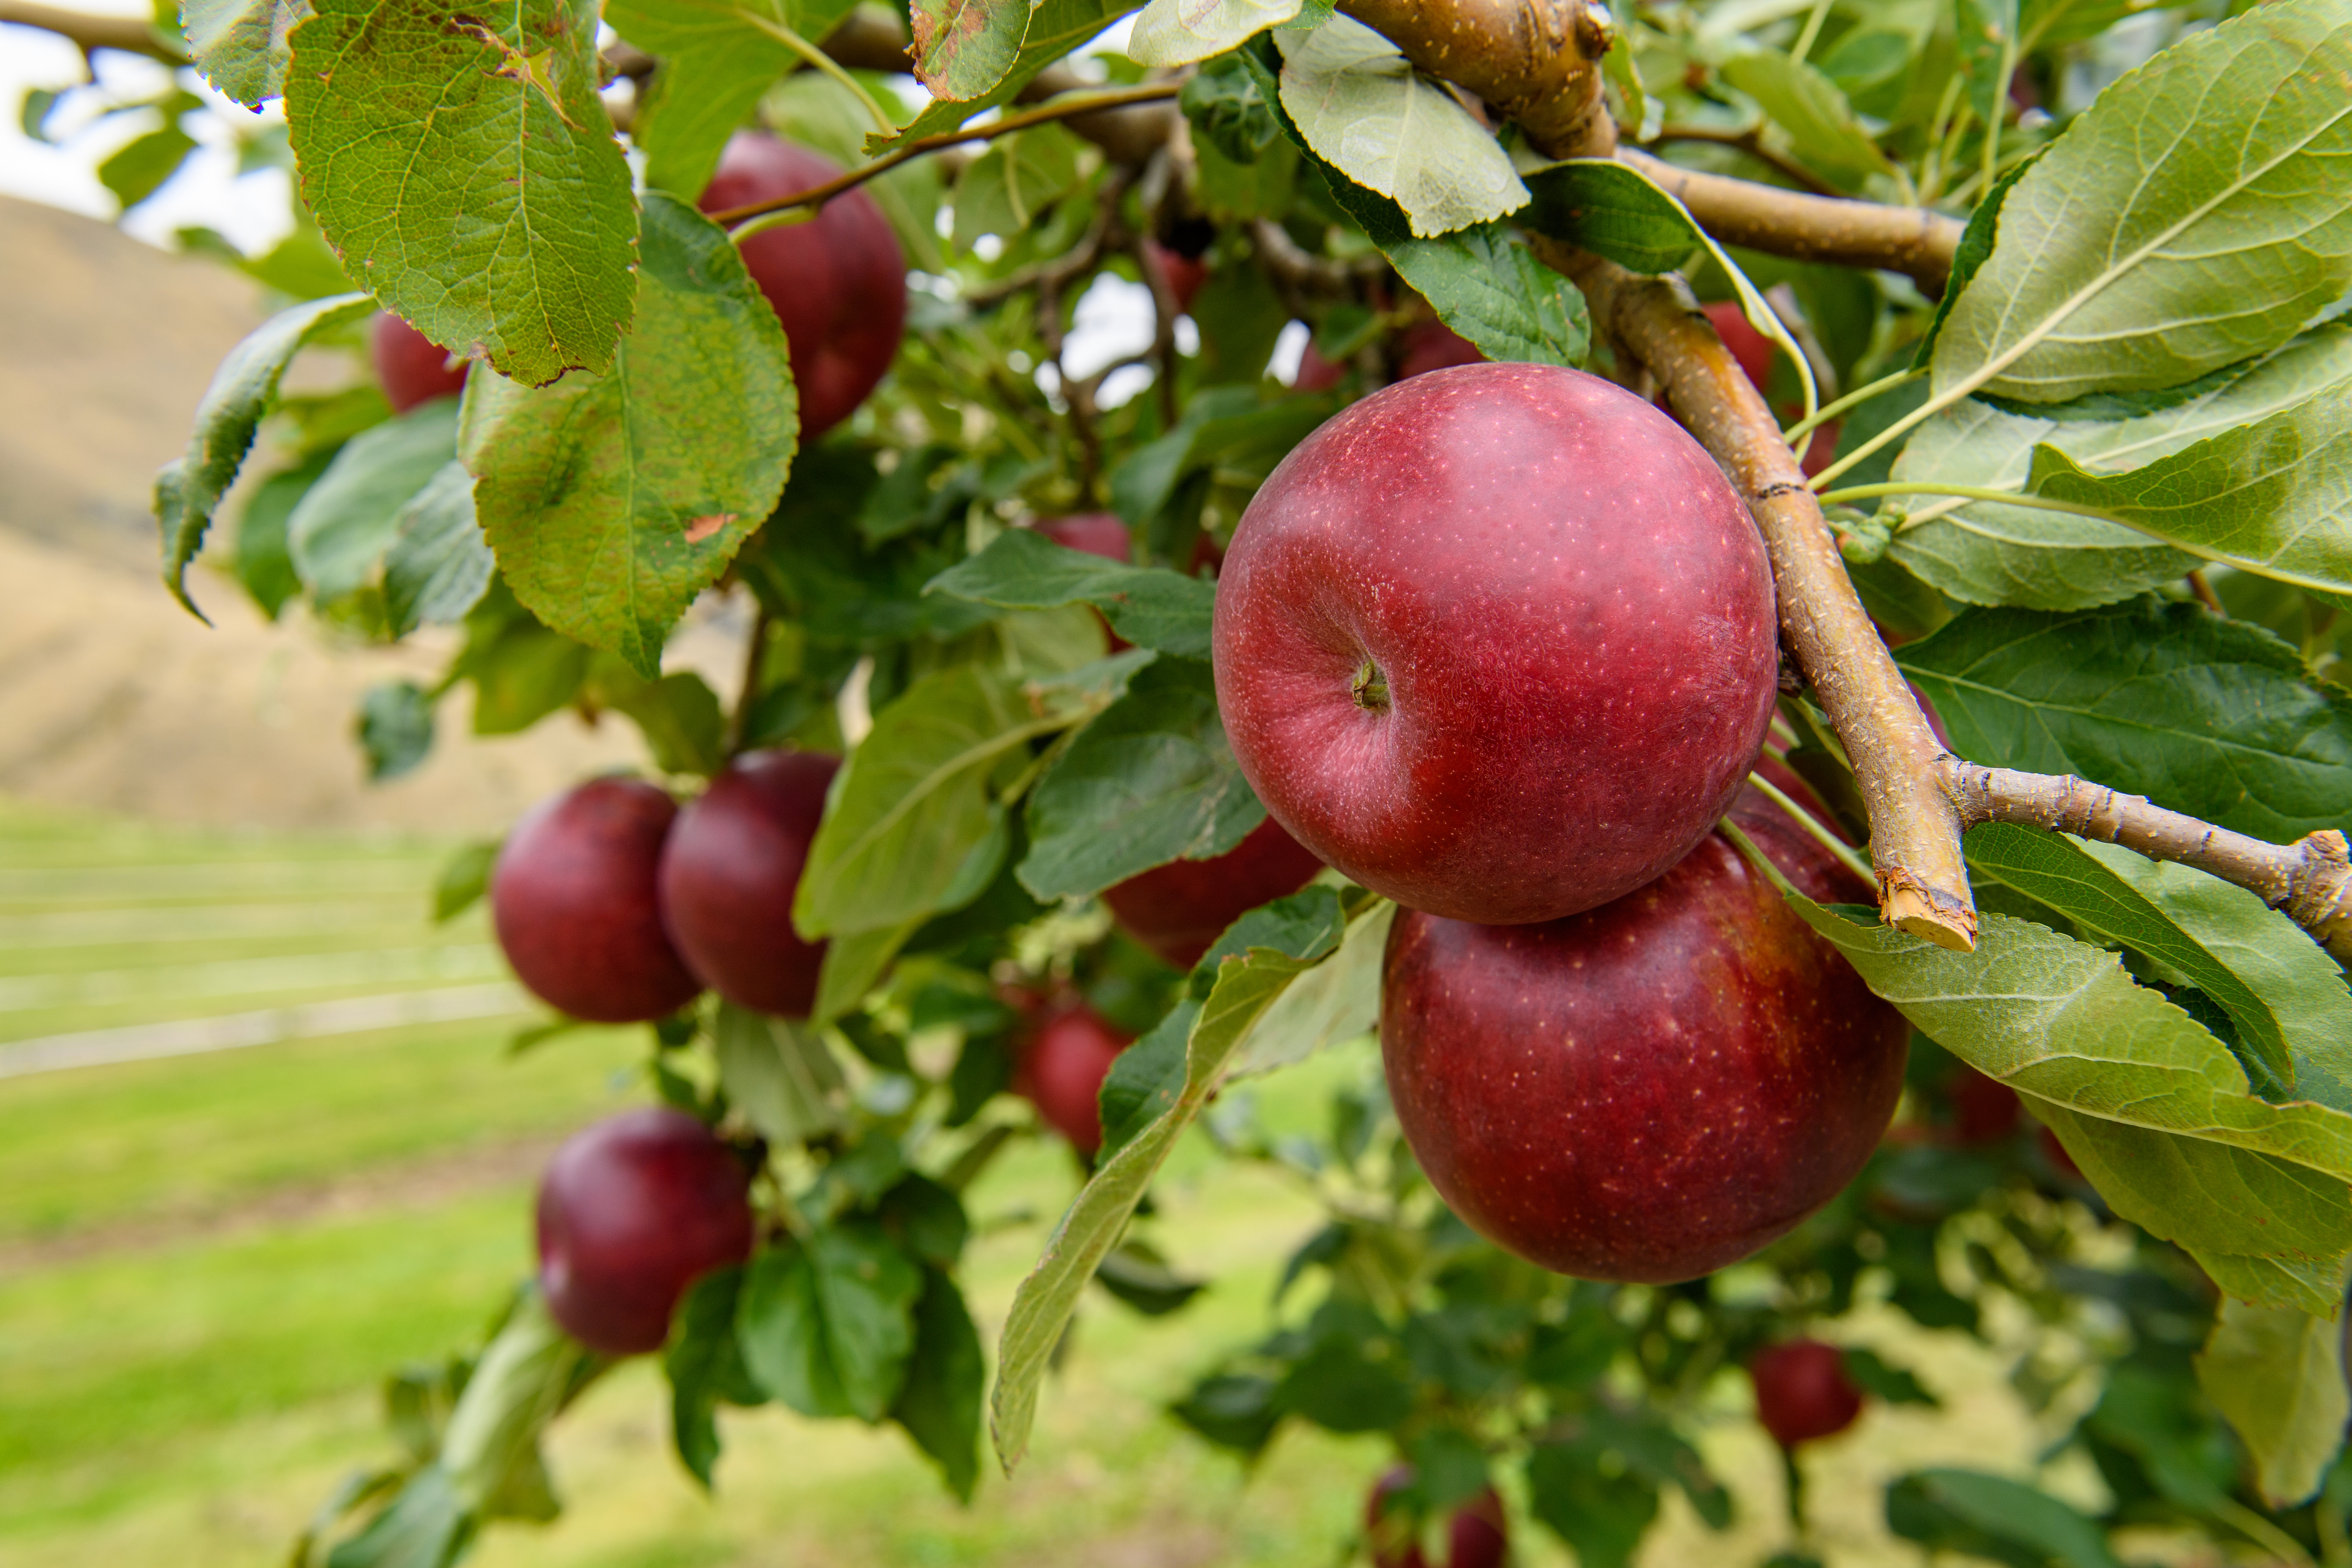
pixel 1369 688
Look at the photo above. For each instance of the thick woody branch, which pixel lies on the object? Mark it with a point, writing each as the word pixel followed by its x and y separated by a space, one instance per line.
pixel 132 35
pixel 1911 240
pixel 2310 879
pixel 1530 61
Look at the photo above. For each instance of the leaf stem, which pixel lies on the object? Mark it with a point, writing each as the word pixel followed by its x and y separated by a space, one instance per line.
pixel 738 221
pixel 1853 399
pixel 1969 494
pixel 1999 96
pixel 1813 31
pixel 1813 824
pixel 813 56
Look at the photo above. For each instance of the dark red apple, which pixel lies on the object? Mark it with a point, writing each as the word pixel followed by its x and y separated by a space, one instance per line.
pixel 1652 1089
pixel 1802 1392
pixel 1432 345
pixel 1984 1109
pixel 1475 1537
pixel 1317 374
pixel 838 281
pixel 728 875
pixel 573 898
pixel 1096 532
pixel 1498 642
pixel 1063 1071
pixel 631 1212
pixel 1185 274
pixel 412 367
pixel 1178 909
pixel 2055 1152
pixel 1751 348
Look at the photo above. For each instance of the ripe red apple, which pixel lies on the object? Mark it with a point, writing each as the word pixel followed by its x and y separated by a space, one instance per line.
pixel 1498 642
pixel 1652 1089
pixel 1432 345
pixel 1802 1392
pixel 1316 373
pixel 1754 351
pixel 1063 1073
pixel 729 872
pixel 412 367
pixel 1185 274
pixel 1096 532
pixel 631 1212
pixel 573 898
pixel 1178 909
pixel 838 281
pixel 1475 1537
pixel 1984 1109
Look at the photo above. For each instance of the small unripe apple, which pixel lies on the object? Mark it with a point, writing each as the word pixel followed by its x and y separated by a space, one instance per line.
pixel 1100 533
pixel 1652 1090
pixel 1063 1071
pixel 1475 1537
pixel 1498 642
pixel 574 901
pixel 838 280
pixel 1802 1392
pixel 631 1212
pixel 729 872
pixel 410 367
pixel 1432 345
pixel 1178 909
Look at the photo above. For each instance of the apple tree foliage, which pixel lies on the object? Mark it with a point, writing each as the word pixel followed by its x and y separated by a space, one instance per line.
pixel 2141 370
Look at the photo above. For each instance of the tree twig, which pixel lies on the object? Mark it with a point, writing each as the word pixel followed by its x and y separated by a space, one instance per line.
pixel 1747 142
pixel 1912 240
pixel 132 35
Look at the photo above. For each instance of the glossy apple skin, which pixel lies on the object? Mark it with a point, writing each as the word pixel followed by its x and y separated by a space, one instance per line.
pixel 410 367
pixel 838 282
pixel 729 872
pixel 1096 532
pixel 1475 1537
pixel 573 898
pixel 1651 1090
pixel 1575 622
pixel 631 1212
pixel 1802 1392
pixel 1178 909
pixel 1063 1071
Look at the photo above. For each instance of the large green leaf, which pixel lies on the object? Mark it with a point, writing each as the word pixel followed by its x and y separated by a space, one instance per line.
pixel 240 46
pixel 2203 190
pixel 828 1324
pixel 1990 1516
pixel 815 110
pixel 611 500
pixel 916 809
pixel 2289 994
pixel 1809 106
pixel 1148 605
pixel 339 530
pixel 780 1073
pixel 705 1365
pixel 466 173
pixel 141 167
pixel 2278 1376
pixel 1366 111
pixel 1055 27
pixel 1243 987
pixel 964 48
pixel 946 1378
pixel 191 486
pixel 1009 186
pixel 716 58
pixel 1227 428
pixel 1612 211
pixel 1336 1001
pixel 1183 32
pixel 1491 289
pixel 2205 716
pixel 1149 781
pixel 438 566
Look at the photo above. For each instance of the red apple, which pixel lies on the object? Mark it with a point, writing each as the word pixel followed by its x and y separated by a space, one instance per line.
pixel 1185 274
pixel 1802 1392
pixel 1432 345
pixel 1984 1109
pixel 412 367
pixel 1652 1089
pixel 1751 348
pixel 1096 532
pixel 1063 1073
pixel 1498 642
pixel 1317 374
pixel 728 875
pixel 838 281
pixel 2055 1152
pixel 1475 1537
pixel 1178 909
pixel 573 898
pixel 631 1212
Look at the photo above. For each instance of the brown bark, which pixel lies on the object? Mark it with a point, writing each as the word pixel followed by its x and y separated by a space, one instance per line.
pixel 1910 240
pixel 132 35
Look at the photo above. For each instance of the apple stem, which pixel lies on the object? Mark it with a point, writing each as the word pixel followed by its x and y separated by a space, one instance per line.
pixel 1371 688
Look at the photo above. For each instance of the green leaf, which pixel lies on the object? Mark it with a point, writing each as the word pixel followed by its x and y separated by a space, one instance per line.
pixel 437 568
pixel 1244 988
pixel 1601 1516
pixel 2264 1229
pixel 813 109
pixel 612 501
pixel 1492 289
pixel 964 48
pixel 467 173
pixel 1612 211
pixel 1009 186
pixel 2278 1377
pixel 263 563
pixel 1365 110
pixel 424 1527
pixel 2210 717
pixel 191 486
pixel 915 805
pixel 1055 28
pixel 1967 257
pixel 716 58
pixel 1809 106
pixel 1225 428
pixel 1149 781
pixel 394 728
pixel 678 715
pixel 778 1073
pixel 1874 1375
pixel 1148 605
pixel 2141 904
pixel 1336 1001
pixel 1146 1080
pixel 827 1325
pixel 2201 191
pixel 705 1365
pixel 853 963
pixel 1183 32
pixel 339 530
pixel 1987 1516
pixel 940 1405
pixel 240 46
pixel 139 169
pixel 526 1375
pixel 2273 498
pixel 463 880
